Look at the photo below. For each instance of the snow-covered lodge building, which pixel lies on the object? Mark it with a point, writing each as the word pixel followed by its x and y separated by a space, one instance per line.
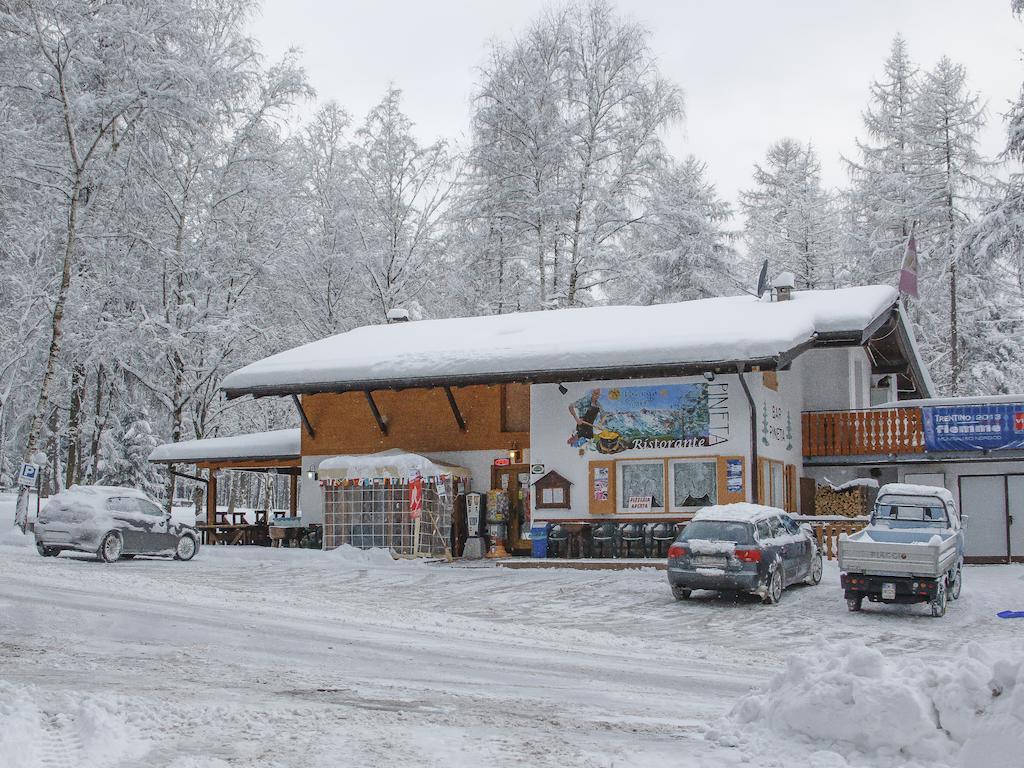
pixel 644 412
pixel 639 413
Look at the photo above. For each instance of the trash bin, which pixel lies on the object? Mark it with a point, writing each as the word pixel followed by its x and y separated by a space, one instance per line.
pixel 539 537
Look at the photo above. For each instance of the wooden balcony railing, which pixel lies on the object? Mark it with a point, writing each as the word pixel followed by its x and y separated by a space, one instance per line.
pixel 863 433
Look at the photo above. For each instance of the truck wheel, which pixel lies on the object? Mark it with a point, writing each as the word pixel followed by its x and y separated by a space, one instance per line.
pixel 854 603
pixel 954 588
pixel 938 605
pixel 814 575
pixel 46 551
pixel 681 594
pixel 773 593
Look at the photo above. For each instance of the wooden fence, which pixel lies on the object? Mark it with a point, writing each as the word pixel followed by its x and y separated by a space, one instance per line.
pixel 863 433
pixel 827 531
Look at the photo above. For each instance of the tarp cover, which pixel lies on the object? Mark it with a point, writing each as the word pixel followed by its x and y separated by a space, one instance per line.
pixel 393 464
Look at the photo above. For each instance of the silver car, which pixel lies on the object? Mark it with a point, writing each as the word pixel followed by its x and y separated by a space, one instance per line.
pixel 113 523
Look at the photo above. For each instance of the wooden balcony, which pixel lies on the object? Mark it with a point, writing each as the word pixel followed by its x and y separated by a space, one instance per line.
pixel 863 433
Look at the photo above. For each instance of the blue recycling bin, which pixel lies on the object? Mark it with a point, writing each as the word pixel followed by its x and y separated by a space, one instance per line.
pixel 539 537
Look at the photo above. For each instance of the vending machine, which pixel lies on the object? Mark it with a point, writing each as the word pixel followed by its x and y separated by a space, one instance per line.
pixel 475 546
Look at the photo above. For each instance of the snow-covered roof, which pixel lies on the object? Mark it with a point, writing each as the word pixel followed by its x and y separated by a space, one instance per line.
pixel 278 444
pixel 908 489
pixel 570 344
pixel 393 463
pixel 740 512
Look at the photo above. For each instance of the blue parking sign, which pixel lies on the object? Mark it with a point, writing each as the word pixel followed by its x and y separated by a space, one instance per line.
pixel 28 474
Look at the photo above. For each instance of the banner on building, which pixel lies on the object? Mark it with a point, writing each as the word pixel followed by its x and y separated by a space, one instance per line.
pixel 668 416
pixel 991 427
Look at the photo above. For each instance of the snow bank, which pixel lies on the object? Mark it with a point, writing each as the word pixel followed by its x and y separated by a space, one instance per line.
pixel 343 557
pixel 963 709
pixel 37 729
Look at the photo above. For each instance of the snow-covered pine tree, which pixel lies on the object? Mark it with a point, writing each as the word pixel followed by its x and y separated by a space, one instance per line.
pixel 949 174
pixel 884 198
pixel 790 219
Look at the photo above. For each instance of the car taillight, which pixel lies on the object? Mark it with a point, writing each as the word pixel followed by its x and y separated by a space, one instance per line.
pixel 678 550
pixel 748 555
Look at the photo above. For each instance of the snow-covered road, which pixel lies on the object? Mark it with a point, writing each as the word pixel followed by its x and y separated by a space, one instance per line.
pixel 254 657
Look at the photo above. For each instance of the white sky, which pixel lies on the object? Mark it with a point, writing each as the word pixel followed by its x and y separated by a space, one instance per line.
pixel 752 71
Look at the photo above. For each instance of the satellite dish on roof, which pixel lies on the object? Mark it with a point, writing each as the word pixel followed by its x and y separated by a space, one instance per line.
pixel 762 279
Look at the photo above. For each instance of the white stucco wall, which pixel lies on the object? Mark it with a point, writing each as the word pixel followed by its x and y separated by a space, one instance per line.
pixel 836 379
pixel 552 428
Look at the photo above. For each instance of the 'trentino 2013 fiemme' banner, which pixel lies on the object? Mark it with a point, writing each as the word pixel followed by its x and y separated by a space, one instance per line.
pixel 996 426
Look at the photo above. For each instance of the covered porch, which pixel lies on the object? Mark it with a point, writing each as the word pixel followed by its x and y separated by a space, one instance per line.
pixel 270 453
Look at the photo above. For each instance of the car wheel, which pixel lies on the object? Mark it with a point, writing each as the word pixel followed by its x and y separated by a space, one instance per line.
pixel 774 592
pixel 814 577
pixel 110 547
pixel 46 551
pixel 958 580
pixel 938 605
pixel 681 594
pixel 854 604
pixel 186 548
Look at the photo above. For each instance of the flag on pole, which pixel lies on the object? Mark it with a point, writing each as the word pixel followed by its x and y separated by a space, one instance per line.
pixel 908 271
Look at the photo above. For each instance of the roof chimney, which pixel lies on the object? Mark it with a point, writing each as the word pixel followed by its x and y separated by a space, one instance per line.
pixel 398 315
pixel 782 286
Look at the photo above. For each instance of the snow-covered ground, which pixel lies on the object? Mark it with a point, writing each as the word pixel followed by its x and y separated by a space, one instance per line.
pixel 258 657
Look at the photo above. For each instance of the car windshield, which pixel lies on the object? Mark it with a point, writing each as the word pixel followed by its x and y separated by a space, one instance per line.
pixel 715 530
pixel 917 514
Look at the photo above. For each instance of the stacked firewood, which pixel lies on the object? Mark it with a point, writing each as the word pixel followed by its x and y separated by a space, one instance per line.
pixel 852 501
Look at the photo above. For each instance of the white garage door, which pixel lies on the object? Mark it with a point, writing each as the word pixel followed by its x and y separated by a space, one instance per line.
pixel 983 500
pixel 1015 486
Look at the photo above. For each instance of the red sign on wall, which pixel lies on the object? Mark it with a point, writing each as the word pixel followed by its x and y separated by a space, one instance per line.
pixel 415 497
pixel 1018 421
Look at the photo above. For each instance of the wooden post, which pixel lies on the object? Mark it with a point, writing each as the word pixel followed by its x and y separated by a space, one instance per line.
pixel 211 497
pixel 293 499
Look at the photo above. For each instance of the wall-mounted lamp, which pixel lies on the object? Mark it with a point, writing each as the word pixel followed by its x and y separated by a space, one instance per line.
pixel 311 474
pixel 562 388
pixel 709 375
pixel 514 454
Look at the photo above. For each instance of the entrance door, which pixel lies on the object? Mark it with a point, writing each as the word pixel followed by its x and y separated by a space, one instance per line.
pixel 1015 487
pixel 514 480
pixel 983 500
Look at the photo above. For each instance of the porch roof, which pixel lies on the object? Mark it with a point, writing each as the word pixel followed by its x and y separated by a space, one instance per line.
pixel 280 446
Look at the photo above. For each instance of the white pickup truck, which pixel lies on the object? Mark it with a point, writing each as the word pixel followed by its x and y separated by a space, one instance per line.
pixel 910 552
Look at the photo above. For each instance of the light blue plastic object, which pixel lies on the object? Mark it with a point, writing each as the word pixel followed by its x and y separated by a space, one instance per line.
pixel 1011 614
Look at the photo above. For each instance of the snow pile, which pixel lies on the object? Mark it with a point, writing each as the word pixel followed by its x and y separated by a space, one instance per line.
pixel 82 729
pixel 964 709
pixel 348 554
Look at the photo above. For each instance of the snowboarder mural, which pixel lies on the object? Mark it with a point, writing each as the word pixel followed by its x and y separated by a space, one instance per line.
pixel 617 419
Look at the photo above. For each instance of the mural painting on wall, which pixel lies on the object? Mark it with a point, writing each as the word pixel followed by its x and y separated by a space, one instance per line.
pixel 617 419
pixel 775 428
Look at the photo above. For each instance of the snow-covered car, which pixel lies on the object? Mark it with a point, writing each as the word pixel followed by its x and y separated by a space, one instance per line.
pixel 743 548
pixel 113 523
pixel 912 550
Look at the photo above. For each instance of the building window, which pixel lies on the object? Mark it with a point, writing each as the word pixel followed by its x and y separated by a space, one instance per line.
pixel 641 479
pixel 515 407
pixel 693 483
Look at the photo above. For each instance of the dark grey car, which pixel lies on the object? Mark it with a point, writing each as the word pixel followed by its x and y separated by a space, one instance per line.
pixel 111 522
pixel 743 548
